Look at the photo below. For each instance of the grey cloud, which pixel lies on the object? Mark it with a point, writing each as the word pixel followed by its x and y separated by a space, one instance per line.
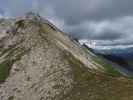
pixel 76 11
pixel 18 7
pixel 106 34
pixel 72 16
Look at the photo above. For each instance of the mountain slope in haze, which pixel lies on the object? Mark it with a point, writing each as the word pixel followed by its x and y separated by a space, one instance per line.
pixel 122 57
pixel 40 62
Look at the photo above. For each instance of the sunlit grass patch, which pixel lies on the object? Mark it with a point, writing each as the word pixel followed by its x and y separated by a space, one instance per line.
pixel 5 67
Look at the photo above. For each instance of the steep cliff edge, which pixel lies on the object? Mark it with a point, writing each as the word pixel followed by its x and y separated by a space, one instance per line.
pixel 40 62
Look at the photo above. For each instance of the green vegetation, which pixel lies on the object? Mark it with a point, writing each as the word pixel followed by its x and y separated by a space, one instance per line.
pixel 96 86
pixel 11 56
pixel 5 67
pixel 20 24
pixel 107 66
pixel 11 98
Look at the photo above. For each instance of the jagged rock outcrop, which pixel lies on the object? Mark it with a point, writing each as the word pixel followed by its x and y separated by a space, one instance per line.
pixel 40 62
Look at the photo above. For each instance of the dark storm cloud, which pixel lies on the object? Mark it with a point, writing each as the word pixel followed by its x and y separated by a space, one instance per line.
pixel 106 34
pixel 116 12
pixel 76 11
pixel 83 19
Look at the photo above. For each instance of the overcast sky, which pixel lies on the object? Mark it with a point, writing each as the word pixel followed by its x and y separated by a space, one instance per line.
pixel 110 22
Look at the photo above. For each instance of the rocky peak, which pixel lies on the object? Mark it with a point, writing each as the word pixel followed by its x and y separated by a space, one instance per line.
pixel 32 16
pixel 35 59
pixel 39 62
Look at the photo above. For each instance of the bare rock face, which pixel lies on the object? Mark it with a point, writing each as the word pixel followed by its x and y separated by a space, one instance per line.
pixel 39 62
pixel 37 67
pixel 36 61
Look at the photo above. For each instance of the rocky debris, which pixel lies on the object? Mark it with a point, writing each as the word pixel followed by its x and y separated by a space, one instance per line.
pixel 39 62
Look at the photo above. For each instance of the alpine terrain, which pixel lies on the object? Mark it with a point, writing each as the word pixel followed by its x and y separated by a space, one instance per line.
pixel 40 62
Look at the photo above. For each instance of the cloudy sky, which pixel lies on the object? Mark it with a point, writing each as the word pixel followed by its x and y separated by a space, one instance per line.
pixel 107 22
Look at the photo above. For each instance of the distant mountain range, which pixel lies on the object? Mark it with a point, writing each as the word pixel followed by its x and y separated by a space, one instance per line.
pixel 123 57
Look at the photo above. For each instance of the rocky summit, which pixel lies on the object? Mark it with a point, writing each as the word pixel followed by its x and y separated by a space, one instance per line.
pixel 39 62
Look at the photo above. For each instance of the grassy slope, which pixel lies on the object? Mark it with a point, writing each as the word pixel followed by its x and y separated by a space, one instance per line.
pixel 97 86
pixel 10 57
pixel 87 85
pixel 109 68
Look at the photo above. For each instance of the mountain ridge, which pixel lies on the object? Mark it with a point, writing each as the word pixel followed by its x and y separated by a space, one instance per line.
pixel 40 62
